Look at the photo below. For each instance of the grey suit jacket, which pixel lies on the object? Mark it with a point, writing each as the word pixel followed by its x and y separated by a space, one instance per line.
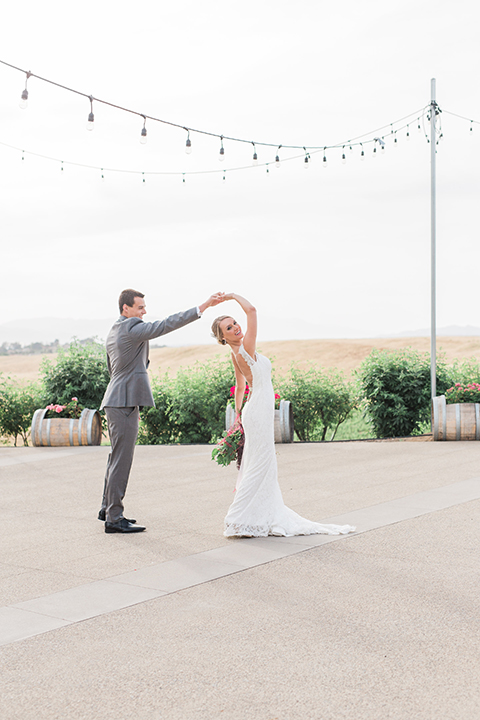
pixel 127 357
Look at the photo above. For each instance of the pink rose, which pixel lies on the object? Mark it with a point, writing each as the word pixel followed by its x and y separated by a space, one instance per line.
pixel 232 390
pixel 75 399
pixel 277 396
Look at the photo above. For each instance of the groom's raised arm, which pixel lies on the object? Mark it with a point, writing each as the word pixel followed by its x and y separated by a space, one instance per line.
pixel 150 330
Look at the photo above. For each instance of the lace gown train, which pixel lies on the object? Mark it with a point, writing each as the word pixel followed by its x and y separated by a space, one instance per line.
pixel 258 509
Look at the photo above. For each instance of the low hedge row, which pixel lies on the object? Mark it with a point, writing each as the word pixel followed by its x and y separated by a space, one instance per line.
pixel 391 388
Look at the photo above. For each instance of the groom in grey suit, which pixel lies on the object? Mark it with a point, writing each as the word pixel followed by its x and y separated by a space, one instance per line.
pixel 128 390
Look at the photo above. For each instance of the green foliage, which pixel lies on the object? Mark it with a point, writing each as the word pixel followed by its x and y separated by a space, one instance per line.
pixel 17 405
pixel 80 371
pixel 191 407
pixel 321 399
pixel 465 371
pixel 396 389
pixel 200 397
pixel 356 427
pixel 156 427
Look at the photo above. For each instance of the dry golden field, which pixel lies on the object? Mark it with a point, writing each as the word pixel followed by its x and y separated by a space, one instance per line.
pixel 344 355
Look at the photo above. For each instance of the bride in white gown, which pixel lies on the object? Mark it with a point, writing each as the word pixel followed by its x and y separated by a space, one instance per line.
pixel 258 509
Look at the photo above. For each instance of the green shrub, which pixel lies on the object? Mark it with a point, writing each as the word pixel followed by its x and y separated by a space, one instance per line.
pixel 321 399
pixel 156 427
pixel 80 371
pixel 200 396
pixel 465 372
pixel 397 391
pixel 190 407
pixel 17 405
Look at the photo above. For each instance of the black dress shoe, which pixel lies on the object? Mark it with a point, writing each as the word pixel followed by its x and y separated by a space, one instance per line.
pixel 101 516
pixel 123 526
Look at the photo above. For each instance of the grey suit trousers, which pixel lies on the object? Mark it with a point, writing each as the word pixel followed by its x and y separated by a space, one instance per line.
pixel 123 431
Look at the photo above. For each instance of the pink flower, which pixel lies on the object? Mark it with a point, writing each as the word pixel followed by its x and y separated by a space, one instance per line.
pixel 232 390
pixel 277 396
pixel 458 385
pixel 50 407
pixel 59 408
pixel 75 399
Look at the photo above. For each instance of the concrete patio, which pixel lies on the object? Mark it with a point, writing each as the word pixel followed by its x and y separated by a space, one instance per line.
pixel 179 622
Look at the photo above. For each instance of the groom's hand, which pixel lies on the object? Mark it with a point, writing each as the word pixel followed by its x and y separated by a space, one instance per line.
pixel 214 299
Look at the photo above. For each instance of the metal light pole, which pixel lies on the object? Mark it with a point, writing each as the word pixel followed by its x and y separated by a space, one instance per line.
pixel 433 222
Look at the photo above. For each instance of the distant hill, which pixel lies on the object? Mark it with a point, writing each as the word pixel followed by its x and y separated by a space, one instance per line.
pixel 47 330
pixel 449 331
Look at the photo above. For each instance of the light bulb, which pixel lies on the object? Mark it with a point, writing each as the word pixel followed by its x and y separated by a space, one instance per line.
pixel 90 121
pixel 408 133
pixel 143 135
pixel 382 149
pixel 344 159
pixel 324 163
pixel 306 163
pixel 188 146
pixel 23 104
pixel 255 158
pixel 221 155
pixel 374 152
pixel 277 157
pixel 362 155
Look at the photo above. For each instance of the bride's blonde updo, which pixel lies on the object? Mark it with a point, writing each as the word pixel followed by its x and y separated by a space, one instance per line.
pixel 216 332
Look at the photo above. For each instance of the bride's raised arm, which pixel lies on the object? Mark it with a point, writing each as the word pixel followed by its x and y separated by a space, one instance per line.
pixel 250 336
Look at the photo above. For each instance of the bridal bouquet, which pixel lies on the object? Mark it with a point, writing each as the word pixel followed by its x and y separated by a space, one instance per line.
pixel 230 446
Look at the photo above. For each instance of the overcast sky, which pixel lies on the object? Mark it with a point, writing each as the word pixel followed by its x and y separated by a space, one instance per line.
pixel 341 251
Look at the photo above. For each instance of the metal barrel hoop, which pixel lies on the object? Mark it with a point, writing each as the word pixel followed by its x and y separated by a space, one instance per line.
pixel 458 426
pixel 37 426
pixel 91 418
pixel 80 422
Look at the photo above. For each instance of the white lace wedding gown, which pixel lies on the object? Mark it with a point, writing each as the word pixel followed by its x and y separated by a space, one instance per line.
pixel 258 509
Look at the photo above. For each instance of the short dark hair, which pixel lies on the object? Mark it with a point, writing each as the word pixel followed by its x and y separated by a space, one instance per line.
pixel 127 297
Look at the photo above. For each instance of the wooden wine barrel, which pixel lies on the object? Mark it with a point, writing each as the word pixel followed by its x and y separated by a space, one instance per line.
pixel 283 421
pixel 460 421
pixel 54 432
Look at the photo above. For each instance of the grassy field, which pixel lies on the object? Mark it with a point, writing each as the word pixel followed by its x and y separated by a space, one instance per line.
pixel 345 355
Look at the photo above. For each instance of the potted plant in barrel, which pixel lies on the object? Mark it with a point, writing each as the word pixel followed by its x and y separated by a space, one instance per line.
pixel 283 417
pixel 70 424
pixel 456 415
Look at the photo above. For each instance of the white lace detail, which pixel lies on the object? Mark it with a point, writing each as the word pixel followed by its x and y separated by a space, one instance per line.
pixel 248 358
pixel 258 509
